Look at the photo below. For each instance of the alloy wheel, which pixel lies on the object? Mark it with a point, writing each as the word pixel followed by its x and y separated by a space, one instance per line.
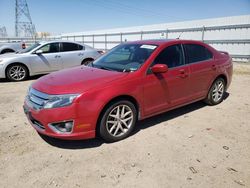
pixel 119 120
pixel 17 73
pixel 218 91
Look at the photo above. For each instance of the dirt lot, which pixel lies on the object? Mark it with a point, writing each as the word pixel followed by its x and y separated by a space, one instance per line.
pixel 194 146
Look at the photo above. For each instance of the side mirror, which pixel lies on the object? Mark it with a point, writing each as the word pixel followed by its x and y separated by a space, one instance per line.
pixel 159 68
pixel 39 52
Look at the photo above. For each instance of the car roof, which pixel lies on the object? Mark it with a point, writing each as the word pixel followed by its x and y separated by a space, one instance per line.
pixel 164 41
pixel 52 41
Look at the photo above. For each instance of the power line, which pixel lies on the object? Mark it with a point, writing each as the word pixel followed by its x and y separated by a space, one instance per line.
pixel 130 10
pixel 111 7
pixel 140 9
pixel 120 9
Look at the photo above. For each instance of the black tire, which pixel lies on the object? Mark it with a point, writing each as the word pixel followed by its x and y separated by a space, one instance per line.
pixel 87 61
pixel 104 127
pixel 21 74
pixel 218 89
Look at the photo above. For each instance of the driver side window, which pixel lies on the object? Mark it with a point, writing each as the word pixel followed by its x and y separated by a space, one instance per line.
pixel 172 56
pixel 50 48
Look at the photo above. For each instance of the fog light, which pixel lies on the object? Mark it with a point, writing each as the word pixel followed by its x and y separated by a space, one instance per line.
pixel 62 127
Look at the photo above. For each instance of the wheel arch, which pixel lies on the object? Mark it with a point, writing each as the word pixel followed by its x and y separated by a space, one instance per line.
pixel 207 100
pixel 87 59
pixel 224 77
pixel 115 99
pixel 7 49
pixel 16 63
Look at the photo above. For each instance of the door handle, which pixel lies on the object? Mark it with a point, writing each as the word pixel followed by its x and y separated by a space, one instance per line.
pixel 57 56
pixel 214 67
pixel 182 74
pixel 182 71
pixel 80 54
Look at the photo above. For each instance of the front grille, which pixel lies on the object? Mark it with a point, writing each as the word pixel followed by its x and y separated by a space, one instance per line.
pixel 36 99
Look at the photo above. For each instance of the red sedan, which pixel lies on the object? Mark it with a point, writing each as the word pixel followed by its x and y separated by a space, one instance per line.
pixel 131 82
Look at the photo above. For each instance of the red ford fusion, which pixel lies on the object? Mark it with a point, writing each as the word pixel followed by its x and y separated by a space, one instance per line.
pixel 131 82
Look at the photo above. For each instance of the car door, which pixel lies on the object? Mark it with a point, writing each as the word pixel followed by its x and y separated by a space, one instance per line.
pixel 202 68
pixel 72 54
pixel 46 59
pixel 166 90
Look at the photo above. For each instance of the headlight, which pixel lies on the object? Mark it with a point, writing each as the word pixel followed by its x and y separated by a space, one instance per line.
pixel 56 101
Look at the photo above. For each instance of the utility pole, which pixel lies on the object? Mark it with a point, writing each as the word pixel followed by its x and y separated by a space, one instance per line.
pixel 23 23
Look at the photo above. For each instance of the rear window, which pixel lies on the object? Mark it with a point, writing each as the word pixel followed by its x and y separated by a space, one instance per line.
pixel 66 47
pixel 196 53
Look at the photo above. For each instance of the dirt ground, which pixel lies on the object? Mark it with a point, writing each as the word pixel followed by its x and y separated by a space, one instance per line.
pixel 193 146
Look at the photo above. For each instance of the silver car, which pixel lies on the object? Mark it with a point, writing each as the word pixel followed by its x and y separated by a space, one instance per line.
pixel 45 57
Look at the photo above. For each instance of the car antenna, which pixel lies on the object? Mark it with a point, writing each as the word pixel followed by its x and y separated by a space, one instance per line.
pixel 179 35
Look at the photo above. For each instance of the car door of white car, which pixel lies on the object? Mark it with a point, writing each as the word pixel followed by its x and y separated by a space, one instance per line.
pixel 71 54
pixel 46 59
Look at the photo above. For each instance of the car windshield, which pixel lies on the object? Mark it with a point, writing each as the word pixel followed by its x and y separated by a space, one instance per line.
pixel 125 57
pixel 33 46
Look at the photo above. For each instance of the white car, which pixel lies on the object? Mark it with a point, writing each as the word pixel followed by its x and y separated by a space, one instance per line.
pixel 8 47
pixel 45 57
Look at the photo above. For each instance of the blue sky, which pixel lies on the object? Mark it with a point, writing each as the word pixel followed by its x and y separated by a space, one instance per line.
pixel 61 16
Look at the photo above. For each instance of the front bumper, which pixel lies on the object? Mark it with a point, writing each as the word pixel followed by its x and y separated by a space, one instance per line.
pixel 2 71
pixel 84 125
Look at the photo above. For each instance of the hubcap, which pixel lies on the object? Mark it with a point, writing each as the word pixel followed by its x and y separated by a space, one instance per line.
pixel 218 91
pixel 119 120
pixel 17 72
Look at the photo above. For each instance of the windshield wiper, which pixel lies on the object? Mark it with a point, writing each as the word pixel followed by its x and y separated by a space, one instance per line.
pixel 129 70
pixel 105 68
pixel 126 70
pixel 100 67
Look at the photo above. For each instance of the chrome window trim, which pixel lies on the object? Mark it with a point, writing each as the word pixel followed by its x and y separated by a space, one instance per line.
pixel 200 61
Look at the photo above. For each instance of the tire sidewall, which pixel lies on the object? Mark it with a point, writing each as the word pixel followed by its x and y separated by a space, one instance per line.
pixel 13 80
pixel 210 98
pixel 103 132
pixel 86 62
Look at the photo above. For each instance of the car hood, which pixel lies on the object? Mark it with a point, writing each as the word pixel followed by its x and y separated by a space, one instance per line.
pixel 12 55
pixel 75 80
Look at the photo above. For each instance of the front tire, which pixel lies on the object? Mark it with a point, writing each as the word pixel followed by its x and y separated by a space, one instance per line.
pixel 118 121
pixel 16 72
pixel 216 92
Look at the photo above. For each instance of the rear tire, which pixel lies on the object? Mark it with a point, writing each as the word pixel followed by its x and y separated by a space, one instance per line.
pixel 87 61
pixel 117 121
pixel 216 92
pixel 16 72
